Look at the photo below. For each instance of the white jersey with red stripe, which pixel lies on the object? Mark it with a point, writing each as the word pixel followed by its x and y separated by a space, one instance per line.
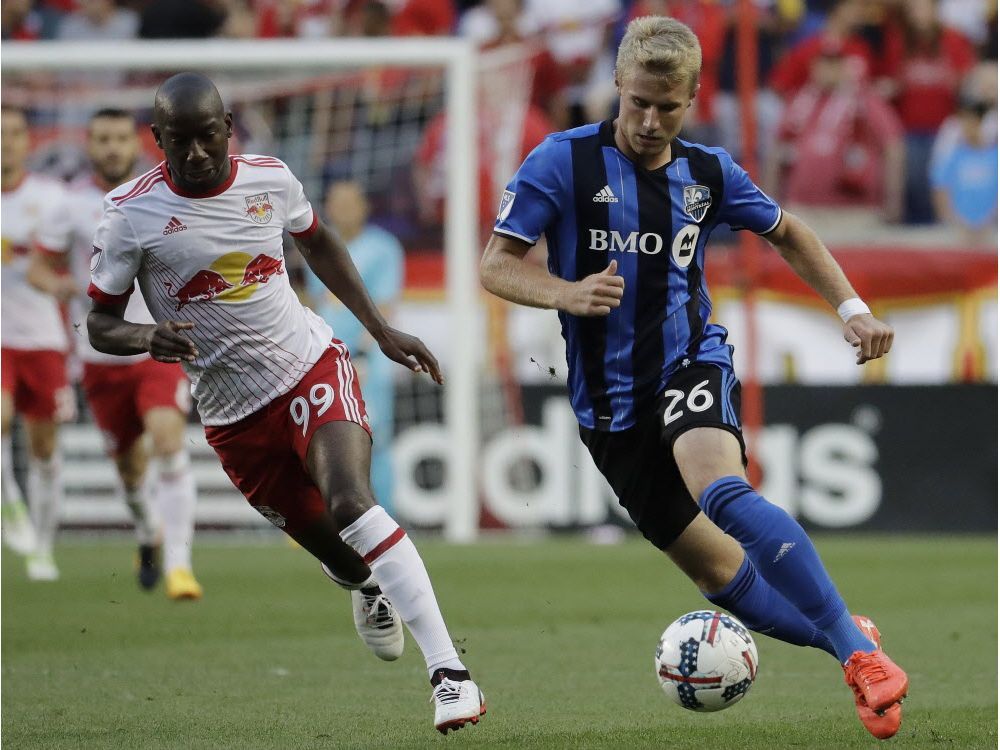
pixel 88 208
pixel 33 217
pixel 216 259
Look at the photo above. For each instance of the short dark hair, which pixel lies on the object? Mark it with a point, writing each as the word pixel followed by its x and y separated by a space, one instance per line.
pixel 112 113
pixel 973 104
pixel 826 7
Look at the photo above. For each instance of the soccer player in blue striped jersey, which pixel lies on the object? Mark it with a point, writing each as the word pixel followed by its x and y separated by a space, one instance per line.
pixel 627 209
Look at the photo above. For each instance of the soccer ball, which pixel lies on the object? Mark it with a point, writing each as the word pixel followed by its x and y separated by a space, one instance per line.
pixel 706 661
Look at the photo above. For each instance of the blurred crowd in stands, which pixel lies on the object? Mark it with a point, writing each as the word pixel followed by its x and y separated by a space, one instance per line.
pixel 889 104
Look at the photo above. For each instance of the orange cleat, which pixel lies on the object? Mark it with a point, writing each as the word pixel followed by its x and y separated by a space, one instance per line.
pixel 877 677
pixel 866 626
pixel 884 723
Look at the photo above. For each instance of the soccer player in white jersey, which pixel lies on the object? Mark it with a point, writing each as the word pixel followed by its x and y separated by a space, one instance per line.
pixel 202 234
pixel 133 396
pixel 34 285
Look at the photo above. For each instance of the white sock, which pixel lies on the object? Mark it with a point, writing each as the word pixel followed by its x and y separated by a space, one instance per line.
pixel 175 499
pixel 139 505
pixel 10 491
pixel 368 583
pixel 401 575
pixel 45 492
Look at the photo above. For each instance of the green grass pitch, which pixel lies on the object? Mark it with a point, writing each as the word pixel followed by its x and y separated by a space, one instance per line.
pixel 560 635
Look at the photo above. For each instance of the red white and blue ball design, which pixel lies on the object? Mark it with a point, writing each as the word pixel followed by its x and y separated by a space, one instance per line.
pixel 706 661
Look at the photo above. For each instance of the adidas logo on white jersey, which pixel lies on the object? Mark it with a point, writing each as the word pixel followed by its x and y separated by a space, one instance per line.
pixel 604 195
pixel 174 225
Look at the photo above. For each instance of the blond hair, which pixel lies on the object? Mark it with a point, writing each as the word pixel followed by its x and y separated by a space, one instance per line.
pixel 663 46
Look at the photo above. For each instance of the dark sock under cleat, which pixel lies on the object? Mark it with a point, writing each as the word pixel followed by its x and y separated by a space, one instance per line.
pixel 149 566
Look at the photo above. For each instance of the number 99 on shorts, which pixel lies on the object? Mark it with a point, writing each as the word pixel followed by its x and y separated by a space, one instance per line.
pixel 321 398
pixel 328 393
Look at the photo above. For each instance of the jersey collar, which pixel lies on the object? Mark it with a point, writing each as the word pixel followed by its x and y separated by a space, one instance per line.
pixel 606 135
pixel 218 190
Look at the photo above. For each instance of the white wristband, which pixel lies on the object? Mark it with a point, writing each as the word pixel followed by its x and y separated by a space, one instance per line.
pixel 851 307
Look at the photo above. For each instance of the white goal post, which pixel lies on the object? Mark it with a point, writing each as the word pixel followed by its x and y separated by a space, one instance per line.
pixel 457 58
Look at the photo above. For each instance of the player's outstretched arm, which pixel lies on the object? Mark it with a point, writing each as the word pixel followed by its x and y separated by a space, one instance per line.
pixel 332 264
pixel 110 333
pixel 803 250
pixel 504 272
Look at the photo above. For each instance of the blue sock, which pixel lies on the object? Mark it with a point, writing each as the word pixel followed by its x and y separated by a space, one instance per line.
pixel 764 610
pixel 785 557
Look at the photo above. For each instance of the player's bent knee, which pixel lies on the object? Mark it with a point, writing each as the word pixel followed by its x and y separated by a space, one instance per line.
pixel 7 413
pixel 349 504
pixel 131 476
pixel 43 451
pixel 42 440
pixel 706 555
pixel 166 430
pixel 166 446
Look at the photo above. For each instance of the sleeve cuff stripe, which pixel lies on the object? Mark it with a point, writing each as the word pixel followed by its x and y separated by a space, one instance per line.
pixel 515 235
pixel 775 224
pixel 311 228
pixel 99 295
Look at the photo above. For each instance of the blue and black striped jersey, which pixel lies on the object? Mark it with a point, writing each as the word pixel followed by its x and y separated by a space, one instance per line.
pixel 593 205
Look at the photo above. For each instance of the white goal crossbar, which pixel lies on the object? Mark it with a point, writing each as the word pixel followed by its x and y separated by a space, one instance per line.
pixel 457 58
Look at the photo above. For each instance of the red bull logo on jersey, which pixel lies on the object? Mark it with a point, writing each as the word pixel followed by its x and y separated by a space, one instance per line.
pixel 202 287
pixel 261 268
pixel 259 208
pixel 234 277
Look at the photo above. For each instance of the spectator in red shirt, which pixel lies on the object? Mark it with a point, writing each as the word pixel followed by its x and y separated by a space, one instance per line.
pixel 792 71
pixel 923 63
pixel 297 18
pixel 424 18
pixel 840 143
pixel 548 82
pixel 577 34
pixel 430 179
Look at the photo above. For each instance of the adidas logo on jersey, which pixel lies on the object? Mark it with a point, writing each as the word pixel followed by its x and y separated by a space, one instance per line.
pixel 174 225
pixel 604 195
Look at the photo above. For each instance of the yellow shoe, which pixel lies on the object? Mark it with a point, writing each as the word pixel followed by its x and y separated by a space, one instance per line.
pixel 182 585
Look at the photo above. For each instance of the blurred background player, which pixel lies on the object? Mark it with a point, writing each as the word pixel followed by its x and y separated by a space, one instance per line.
pixel 35 285
pixel 130 397
pixel 379 259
